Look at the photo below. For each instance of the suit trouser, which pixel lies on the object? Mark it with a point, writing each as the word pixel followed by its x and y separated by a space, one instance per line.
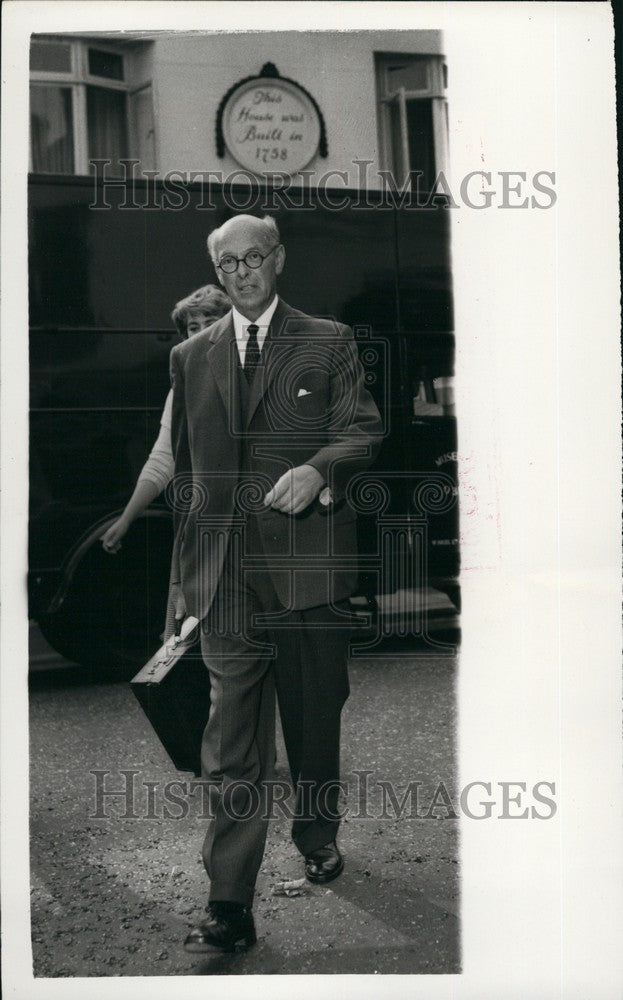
pixel 303 653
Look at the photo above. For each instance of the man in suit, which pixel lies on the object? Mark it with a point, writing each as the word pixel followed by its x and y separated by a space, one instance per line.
pixel 270 421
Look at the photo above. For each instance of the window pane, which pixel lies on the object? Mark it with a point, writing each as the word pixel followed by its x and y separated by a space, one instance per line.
pixel 397 165
pixel 107 64
pixel 143 136
pixel 421 146
pixel 50 57
pixel 410 75
pixel 106 126
pixel 51 133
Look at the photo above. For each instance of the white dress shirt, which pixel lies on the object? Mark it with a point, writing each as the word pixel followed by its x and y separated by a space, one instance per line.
pixel 241 333
pixel 242 324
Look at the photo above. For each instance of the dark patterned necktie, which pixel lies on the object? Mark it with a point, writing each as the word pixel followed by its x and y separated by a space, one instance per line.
pixel 252 353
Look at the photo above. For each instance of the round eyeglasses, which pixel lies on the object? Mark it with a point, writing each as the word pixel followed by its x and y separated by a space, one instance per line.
pixel 252 259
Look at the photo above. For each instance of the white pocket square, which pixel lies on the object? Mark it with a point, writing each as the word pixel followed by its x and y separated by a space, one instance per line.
pixel 303 392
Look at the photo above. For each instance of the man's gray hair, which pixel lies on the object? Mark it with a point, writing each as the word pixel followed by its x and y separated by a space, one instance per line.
pixel 272 232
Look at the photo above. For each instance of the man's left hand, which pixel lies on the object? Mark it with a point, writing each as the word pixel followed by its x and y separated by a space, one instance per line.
pixel 295 490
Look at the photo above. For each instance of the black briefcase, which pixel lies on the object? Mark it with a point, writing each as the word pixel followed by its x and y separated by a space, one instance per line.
pixel 173 689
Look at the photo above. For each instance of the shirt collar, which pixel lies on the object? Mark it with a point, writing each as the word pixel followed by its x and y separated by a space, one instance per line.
pixel 241 323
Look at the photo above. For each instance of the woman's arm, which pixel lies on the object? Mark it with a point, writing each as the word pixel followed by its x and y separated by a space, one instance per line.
pixel 154 476
pixel 144 492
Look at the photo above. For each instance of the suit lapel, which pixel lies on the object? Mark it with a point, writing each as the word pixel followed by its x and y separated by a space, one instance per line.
pixel 279 342
pixel 222 358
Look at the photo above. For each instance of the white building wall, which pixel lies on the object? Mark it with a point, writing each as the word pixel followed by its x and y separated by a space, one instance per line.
pixel 192 72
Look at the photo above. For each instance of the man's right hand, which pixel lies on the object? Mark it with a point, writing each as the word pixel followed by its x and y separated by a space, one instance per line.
pixel 177 598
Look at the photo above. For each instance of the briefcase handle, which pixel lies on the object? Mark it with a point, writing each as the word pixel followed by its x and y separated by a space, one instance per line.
pixel 179 627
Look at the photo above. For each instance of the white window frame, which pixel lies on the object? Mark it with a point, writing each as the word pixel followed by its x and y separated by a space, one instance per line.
pixel 434 91
pixel 133 123
pixel 78 79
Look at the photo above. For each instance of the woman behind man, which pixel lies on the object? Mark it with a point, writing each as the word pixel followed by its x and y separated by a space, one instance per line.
pixel 190 315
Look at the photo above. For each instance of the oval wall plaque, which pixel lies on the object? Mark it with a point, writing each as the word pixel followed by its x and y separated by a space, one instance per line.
pixel 271 125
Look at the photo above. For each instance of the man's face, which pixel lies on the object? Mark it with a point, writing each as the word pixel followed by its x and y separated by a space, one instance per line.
pixel 250 289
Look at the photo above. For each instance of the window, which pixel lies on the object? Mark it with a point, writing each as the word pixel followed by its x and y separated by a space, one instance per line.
pixel 80 106
pixel 412 116
pixel 51 129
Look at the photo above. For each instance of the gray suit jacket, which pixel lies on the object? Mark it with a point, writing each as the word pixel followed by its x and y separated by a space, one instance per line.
pixel 307 405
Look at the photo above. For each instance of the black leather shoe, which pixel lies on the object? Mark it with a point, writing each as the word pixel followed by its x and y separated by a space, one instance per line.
pixel 324 864
pixel 227 927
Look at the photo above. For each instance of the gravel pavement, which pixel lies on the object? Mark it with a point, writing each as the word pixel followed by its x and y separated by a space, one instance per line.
pixel 116 895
